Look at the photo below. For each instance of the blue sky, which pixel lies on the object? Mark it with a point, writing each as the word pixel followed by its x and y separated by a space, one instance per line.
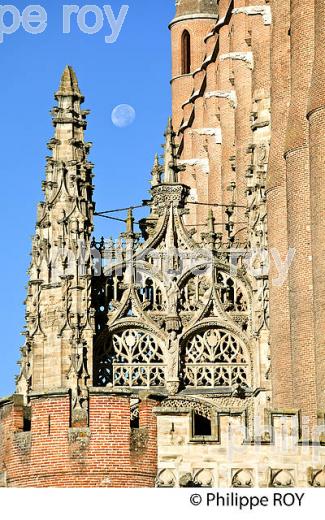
pixel 134 70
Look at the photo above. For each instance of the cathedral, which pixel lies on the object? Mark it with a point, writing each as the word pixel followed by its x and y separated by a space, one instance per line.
pixel 190 351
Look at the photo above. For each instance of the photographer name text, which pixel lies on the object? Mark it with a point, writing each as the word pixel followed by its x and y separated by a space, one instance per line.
pixel 89 19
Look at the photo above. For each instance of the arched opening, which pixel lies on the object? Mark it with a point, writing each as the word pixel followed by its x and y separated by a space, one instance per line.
pixel 215 358
pixel 186 53
pixel 130 357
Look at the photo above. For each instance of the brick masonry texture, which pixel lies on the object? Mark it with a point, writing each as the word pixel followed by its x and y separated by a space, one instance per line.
pixel 281 355
pixel 316 117
pixel 283 57
pixel 52 454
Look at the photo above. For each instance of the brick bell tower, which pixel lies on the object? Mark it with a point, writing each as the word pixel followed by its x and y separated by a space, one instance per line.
pixel 193 21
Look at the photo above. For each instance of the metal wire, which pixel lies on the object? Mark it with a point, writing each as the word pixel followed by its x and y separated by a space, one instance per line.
pixel 216 224
pixel 101 213
pixel 217 205
pixel 110 218
pixel 144 204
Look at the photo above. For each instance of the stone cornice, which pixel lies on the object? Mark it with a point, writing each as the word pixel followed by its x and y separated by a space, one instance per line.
pixel 6 400
pixel 49 394
pixel 230 95
pixel 246 57
pixel 127 392
pixel 195 16
pixel 264 10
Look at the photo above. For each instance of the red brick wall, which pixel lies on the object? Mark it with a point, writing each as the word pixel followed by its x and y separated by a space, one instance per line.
pixel 51 455
pixel 183 85
pixel 280 341
pixel 316 117
pixel 299 210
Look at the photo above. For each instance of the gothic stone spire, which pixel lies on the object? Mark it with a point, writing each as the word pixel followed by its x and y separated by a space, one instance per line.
pixel 59 327
pixel 69 84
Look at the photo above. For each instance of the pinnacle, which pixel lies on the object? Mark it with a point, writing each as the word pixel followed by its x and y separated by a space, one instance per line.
pixel 130 222
pixel 211 221
pixel 169 129
pixel 69 83
pixel 156 172
pixel 170 158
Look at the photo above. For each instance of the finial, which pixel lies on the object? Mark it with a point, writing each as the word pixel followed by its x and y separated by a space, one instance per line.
pixel 130 222
pixel 230 222
pixel 232 187
pixel 210 236
pixel 211 222
pixel 170 170
pixel 69 84
pixel 156 172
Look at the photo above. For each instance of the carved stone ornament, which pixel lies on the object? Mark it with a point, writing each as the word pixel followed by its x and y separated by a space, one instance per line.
pixel 242 478
pixel 166 478
pixel 173 355
pixel 317 478
pixel 172 386
pixel 220 351
pixel 139 439
pixel 146 340
pixel 186 480
pixel 282 478
pixel 80 437
pixel 59 301
pixel 168 194
pixel 203 478
pixel 201 408
pixel 23 441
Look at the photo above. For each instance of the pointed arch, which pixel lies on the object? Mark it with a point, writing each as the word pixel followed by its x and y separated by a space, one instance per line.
pixel 130 356
pixel 186 52
pixel 215 357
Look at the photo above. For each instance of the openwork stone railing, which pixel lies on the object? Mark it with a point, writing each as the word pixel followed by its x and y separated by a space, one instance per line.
pixel 216 376
pixel 138 375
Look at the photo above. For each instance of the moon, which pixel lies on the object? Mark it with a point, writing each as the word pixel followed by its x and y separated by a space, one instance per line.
pixel 123 115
